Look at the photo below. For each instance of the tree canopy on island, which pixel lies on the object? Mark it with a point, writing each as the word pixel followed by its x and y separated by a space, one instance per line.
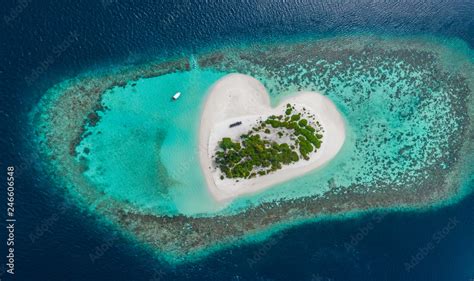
pixel 259 152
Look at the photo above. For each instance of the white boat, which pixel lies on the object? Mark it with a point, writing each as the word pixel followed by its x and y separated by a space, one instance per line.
pixel 176 96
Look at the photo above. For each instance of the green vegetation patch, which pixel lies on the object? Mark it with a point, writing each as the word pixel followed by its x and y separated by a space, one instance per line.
pixel 272 143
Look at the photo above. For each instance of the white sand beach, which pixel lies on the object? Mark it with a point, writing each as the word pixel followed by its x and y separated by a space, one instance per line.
pixel 238 97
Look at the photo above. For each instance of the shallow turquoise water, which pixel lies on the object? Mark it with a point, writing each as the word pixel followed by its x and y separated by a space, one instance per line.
pixel 143 128
pixel 400 115
pixel 144 149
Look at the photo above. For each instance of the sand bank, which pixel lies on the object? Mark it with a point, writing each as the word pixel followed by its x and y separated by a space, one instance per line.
pixel 238 97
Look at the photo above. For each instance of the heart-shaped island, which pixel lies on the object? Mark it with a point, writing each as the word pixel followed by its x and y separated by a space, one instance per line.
pixel 247 146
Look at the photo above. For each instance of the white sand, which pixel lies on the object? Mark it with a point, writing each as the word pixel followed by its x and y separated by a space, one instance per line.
pixel 238 97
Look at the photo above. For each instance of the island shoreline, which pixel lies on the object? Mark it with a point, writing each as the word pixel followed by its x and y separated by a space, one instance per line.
pixel 240 97
pixel 56 127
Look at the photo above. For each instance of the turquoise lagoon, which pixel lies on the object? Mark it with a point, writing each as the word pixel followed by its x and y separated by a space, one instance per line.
pixel 144 149
pixel 407 103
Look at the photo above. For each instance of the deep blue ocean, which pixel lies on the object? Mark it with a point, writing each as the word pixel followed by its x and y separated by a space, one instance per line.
pixel 54 239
